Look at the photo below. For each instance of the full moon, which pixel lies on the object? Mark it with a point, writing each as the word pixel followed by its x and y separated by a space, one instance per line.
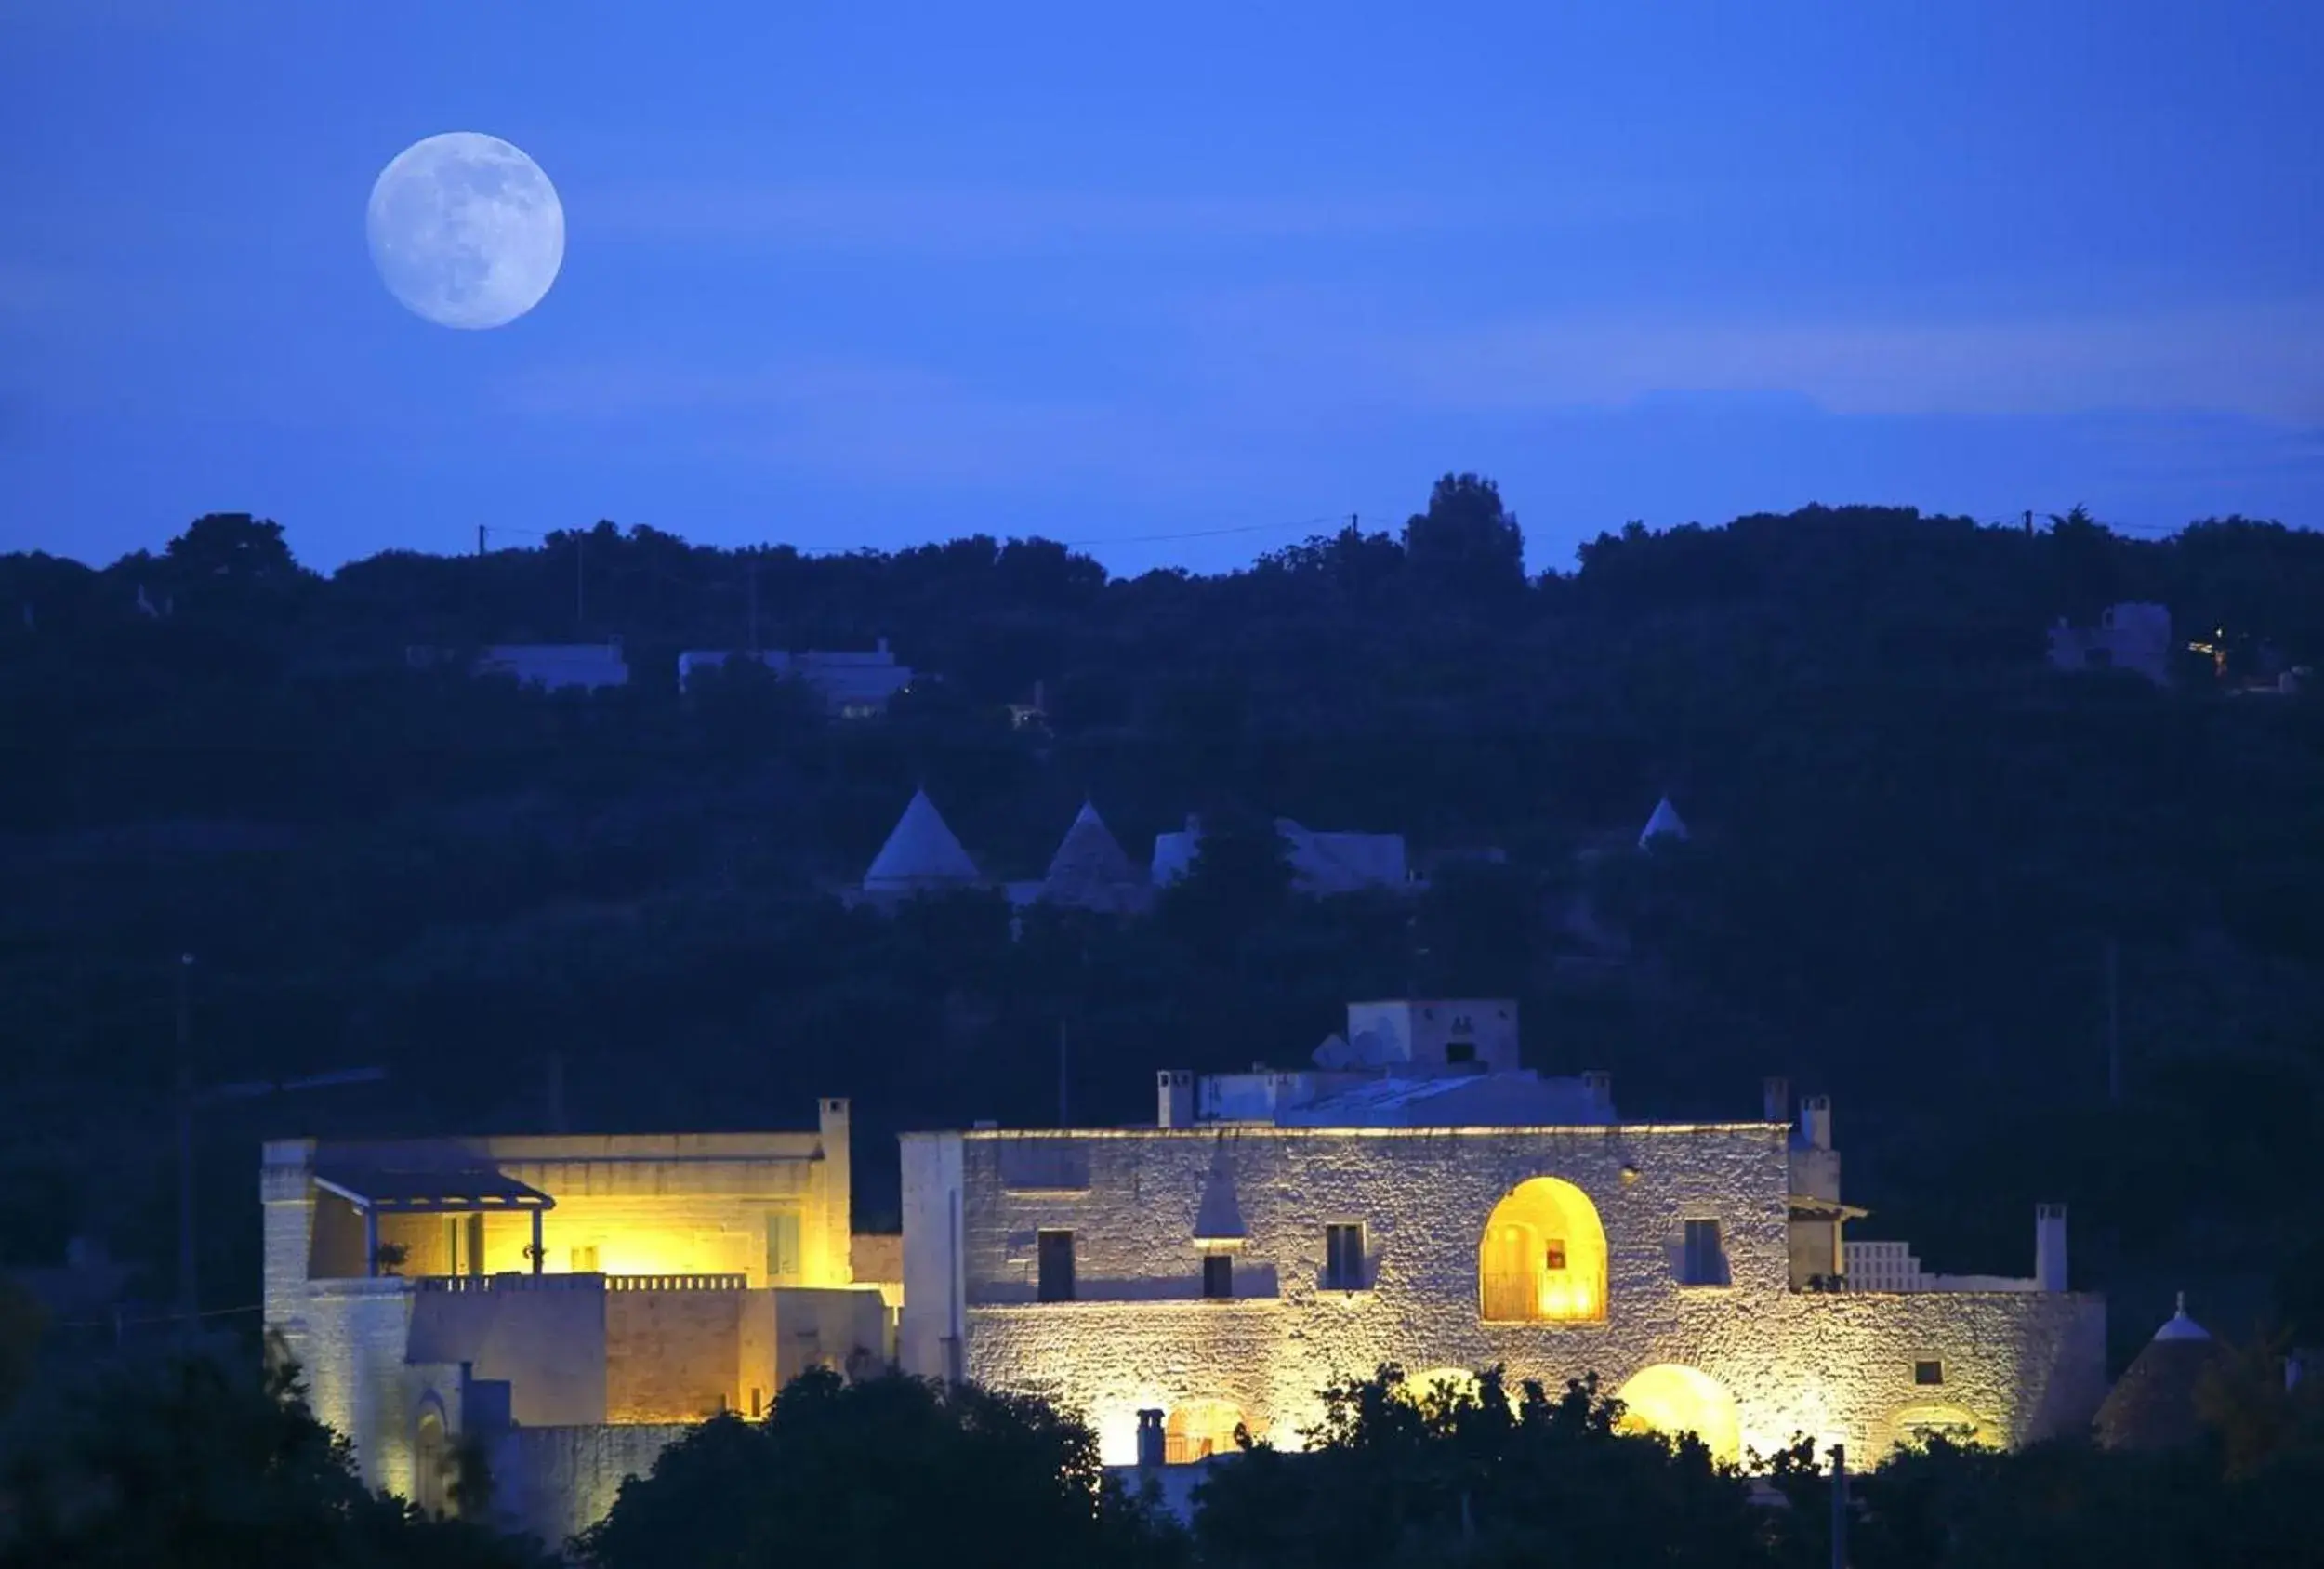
pixel 466 230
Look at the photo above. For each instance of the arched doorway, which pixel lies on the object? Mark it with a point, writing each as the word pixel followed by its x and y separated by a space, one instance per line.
pixel 1542 1258
pixel 1671 1399
pixel 431 1461
pixel 1196 1430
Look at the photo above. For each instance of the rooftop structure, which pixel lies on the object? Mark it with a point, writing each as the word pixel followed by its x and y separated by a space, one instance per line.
pixel 1089 871
pixel 1416 1195
pixel 853 683
pixel 1665 823
pixel 2153 1405
pixel 921 855
pixel 557 667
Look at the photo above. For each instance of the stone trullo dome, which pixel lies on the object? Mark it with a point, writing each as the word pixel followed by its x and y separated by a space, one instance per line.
pixel 2153 1405
pixel 921 854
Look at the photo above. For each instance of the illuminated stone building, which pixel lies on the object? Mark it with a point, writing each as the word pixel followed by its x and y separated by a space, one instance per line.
pixel 1416 1198
pixel 565 1304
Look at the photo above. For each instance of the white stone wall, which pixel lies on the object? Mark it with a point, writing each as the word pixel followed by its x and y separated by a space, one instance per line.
pixel 1833 1366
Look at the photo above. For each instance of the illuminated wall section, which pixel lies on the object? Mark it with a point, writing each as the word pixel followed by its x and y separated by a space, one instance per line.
pixel 1836 1367
pixel 1669 1399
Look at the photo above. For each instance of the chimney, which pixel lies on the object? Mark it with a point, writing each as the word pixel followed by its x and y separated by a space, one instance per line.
pixel 1774 1095
pixel 1150 1446
pixel 1816 1121
pixel 1175 1100
pixel 881 645
pixel 1600 1084
pixel 2050 1247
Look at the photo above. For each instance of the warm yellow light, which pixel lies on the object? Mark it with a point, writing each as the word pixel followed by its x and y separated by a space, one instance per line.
pixel 1199 1428
pixel 1669 1398
pixel 1543 1257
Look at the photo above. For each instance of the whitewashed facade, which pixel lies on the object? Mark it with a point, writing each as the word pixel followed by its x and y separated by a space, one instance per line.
pixel 1417 1198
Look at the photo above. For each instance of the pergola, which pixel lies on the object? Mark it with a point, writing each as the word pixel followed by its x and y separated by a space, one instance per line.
pixel 463 1191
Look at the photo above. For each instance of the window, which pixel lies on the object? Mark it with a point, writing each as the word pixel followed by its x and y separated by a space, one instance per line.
pixel 1056 1283
pixel 1217 1274
pixel 1343 1257
pixel 784 1262
pixel 585 1260
pixel 1704 1262
pixel 1543 1257
pixel 1929 1372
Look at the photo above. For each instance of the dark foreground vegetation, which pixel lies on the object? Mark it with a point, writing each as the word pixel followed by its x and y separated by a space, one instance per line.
pixel 183 1464
pixel 1930 876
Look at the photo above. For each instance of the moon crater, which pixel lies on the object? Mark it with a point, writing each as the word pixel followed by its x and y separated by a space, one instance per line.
pixel 466 230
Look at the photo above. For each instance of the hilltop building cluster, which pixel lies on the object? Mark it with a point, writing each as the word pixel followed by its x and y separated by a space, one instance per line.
pixel 1411 1193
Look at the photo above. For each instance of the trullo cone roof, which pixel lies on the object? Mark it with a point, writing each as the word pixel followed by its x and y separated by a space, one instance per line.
pixel 921 852
pixel 1665 820
pixel 1088 856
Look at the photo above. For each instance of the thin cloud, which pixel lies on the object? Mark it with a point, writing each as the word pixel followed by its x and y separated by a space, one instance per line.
pixel 2253 361
pixel 953 220
pixel 900 426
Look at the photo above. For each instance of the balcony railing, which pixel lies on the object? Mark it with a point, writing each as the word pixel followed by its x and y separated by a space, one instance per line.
pixel 677 1282
pixel 515 1282
pixel 1538 1297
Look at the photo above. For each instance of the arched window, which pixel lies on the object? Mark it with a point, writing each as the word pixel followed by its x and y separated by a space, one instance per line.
pixel 1199 1428
pixel 1542 1260
pixel 1671 1399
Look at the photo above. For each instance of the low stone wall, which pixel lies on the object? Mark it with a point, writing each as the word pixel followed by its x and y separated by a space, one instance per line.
pixel 555 1482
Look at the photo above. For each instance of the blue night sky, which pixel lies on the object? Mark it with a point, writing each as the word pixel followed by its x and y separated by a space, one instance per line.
pixel 870 274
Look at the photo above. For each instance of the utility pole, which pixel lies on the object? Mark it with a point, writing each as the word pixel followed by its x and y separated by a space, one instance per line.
pixel 2114 1019
pixel 189 1297
pixel 480 539
pixel 1839 1506
pixel 2028 522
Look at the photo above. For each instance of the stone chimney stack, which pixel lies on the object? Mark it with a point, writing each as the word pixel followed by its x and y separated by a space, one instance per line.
pixel 1175 1100
pixel 1816 1121
pixel 2050 1247
pixel 1776 1100
pixel 1150 1448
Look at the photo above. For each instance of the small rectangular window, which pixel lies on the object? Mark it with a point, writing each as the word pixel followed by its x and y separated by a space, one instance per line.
pixel 1056 1280
pixel 1705 1262
pixel 585 1260
pixel 784 1263
pixel 1343 1257
pixel 1217 1274
pixel 1929 1372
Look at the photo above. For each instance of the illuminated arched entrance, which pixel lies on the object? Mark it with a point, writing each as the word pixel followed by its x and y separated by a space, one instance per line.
pixel 1542 1258
pixel 1671 1399
pixel 1918 1424
pixel 1199 1428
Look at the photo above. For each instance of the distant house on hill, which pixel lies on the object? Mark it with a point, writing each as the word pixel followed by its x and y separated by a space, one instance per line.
pixel 1322 864
pixel 555 667
pixel 853 683
pixel 2128 637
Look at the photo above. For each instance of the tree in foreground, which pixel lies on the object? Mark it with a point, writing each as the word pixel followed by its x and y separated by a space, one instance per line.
pixel 1461 1473
pixel 190 1462
pixel 888 1473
